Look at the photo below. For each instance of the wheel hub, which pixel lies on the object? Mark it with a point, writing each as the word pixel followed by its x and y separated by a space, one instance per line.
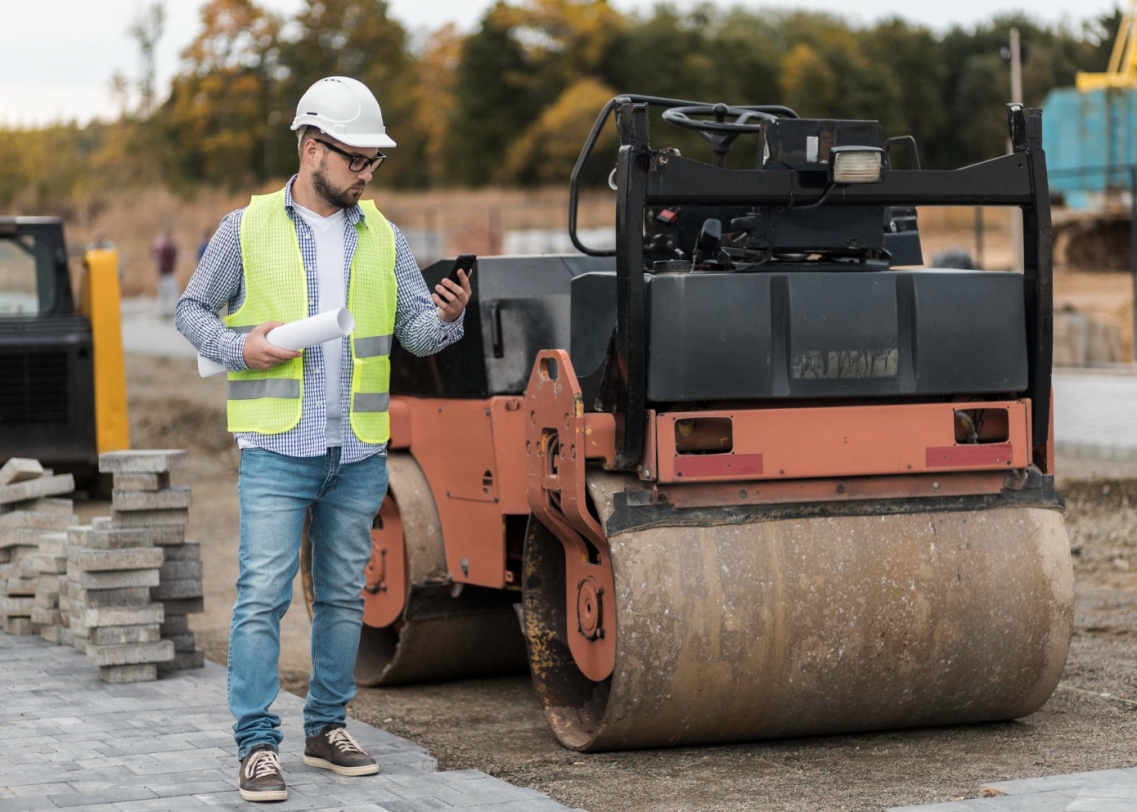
pixel 590 608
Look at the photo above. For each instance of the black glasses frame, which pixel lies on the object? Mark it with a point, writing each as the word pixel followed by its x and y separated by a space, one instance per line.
pixel 362 160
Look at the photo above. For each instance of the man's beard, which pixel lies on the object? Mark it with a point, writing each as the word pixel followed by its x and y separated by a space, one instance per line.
pixel 340 198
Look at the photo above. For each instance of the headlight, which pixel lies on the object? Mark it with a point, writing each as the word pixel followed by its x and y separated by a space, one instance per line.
pixel 855 164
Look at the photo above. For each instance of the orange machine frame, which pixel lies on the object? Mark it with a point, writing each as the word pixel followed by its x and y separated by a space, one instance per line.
pixel 473 453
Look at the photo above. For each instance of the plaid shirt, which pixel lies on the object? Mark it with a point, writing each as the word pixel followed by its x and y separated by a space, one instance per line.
pixel 219 281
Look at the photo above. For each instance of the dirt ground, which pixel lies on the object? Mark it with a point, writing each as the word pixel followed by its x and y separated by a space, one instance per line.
pixel 497 725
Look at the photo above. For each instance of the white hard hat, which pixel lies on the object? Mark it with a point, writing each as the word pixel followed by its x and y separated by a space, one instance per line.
pixel 344 109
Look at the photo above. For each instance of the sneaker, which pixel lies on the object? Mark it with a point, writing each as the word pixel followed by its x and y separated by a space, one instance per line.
pixel 334 749
pixel 261 778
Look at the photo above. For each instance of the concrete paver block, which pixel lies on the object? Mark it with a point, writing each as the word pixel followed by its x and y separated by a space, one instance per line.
pixel 181 570
pixel 157 652
pixel 174 624
pixel 177 590
pixel 141 481
pixel 52 634
pixel 46 599
pixel 33 488
pixel 44 617
pixel 155 461
pixel 127 597
pixel 190 606
pixel 18 626
pixel 52 564
pixel 165 499
pixel 138 558
pixel 21 607
pixel 149 518
pixel 110 538
pixel 95 617
pixel 183 661
pixel 119 579
pixel 122 674
pixel 182 642
pixel 190 551
pixel 125 635
pixel 38 519
pixel 19 469
pixel 21 587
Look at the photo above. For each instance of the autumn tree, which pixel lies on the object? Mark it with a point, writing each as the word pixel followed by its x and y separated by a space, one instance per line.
pixel 216 121
pixel 358 38
pixel 519 62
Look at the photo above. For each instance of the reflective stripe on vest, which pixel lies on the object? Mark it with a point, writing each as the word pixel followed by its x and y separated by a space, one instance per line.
pixel 276 289
pixel 370 347
pixel 265 388
pixel 362 402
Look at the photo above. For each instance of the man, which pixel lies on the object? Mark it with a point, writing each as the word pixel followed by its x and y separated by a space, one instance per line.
pixel 312 426
pixel 165 254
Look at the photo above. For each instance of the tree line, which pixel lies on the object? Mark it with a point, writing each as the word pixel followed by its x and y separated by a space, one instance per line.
pixel 511 102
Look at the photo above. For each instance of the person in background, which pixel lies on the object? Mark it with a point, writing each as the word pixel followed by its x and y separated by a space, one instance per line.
pixel 205 235
pixel 101 243
pixel 165 254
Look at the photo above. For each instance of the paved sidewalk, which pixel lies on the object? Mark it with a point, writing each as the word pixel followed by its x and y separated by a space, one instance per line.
pixel 1095 414
pixel 147 333
pixel 1101 791
pixel 69 741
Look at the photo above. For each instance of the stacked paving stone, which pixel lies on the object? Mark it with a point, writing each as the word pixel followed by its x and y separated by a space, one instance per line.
pixel 144 500
pixel 112 619
pixel 32 542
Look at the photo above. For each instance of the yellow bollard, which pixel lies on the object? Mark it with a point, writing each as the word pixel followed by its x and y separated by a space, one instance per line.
pixel 100 302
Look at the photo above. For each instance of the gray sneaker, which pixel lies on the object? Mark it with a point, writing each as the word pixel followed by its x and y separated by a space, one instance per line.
pixel 261 778
pixel 334 749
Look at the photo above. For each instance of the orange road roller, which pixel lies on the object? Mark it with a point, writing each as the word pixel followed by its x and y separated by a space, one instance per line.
pixel 755 472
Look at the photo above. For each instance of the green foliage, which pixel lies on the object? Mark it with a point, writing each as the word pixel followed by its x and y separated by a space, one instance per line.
pixel 512 101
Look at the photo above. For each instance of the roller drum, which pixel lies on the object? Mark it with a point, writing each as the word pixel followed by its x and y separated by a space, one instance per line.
pixel 811 626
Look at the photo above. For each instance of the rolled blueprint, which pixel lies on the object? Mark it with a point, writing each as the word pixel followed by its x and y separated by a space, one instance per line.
pixel 298 335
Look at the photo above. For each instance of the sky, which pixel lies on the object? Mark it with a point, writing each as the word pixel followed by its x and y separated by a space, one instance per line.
pixel 57 57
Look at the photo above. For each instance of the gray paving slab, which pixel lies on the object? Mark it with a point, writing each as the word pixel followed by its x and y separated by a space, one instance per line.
pixel 1093 414
pixel 71 741
pixel 1098 791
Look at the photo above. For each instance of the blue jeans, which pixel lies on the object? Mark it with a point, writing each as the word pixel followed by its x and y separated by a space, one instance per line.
pixel 276 493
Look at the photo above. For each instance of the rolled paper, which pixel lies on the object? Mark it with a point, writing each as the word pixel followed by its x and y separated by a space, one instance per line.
pixel 298 335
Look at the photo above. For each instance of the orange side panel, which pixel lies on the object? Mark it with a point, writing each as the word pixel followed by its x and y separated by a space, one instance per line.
pixel 840 441
pixel 400 416
pixel 453 441
pixel 508 421
pixel 385 577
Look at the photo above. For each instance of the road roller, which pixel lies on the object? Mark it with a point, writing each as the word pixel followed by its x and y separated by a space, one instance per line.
pixel 755 472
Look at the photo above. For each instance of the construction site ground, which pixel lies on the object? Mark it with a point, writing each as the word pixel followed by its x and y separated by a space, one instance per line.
pixel 497 725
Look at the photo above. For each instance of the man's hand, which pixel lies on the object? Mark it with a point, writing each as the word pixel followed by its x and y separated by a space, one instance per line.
pixel 451 298
pixel 259 354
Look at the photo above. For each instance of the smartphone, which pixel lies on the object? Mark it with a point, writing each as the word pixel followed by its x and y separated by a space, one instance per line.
pixel 464 262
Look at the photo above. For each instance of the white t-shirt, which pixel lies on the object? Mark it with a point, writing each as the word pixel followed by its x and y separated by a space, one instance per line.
pixel 332 295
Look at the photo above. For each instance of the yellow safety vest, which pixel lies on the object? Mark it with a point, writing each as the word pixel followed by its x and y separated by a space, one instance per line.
pixel 276 289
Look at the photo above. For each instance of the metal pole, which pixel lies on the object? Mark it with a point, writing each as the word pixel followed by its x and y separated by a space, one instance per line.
pixel 1017 97
pixel 1133 248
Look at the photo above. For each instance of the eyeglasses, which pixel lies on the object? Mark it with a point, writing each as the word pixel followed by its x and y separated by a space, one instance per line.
pixel 356 163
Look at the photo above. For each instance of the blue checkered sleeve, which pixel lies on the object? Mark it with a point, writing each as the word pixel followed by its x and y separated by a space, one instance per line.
pixel 216 284
pixel 418 325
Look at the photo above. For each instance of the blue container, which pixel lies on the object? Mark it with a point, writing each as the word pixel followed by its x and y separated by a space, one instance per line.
pixel 1090 141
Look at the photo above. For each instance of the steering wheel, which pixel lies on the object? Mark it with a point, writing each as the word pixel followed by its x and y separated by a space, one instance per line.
pixel 720 133
pixel 681 117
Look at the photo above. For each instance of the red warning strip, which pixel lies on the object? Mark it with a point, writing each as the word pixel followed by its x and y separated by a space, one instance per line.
pixel 959 456
pixel 709 465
